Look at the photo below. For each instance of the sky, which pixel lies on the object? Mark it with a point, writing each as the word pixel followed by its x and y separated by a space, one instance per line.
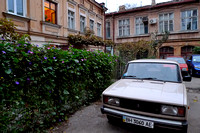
pixel 113 5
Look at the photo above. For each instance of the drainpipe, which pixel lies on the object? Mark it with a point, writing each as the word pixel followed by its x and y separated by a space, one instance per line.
pixel 113 30
pixel 104 14
pixel 113 27
pixel 29 21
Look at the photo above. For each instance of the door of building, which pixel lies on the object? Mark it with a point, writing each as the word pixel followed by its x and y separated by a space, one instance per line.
pixel 186 52
pixel 166 51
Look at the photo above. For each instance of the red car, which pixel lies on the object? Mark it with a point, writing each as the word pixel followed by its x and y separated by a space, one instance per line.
pixel 182 63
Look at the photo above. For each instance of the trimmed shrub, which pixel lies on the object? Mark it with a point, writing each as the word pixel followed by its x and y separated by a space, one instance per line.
pixel 42 86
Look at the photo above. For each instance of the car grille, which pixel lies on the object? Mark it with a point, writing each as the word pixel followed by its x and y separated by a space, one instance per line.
pixel 141 106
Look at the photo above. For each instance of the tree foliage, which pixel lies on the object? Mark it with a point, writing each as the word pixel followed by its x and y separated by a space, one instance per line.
pixel 130 50
pixel 157 40
pixel 87 39
pixel 196 50
pixel 8 32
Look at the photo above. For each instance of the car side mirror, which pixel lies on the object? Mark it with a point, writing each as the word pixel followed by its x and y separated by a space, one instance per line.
pixel 187 78
pixel 188 60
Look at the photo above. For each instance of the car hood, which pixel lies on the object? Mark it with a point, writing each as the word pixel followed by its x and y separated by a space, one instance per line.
pixel 148 90
pixel 196 64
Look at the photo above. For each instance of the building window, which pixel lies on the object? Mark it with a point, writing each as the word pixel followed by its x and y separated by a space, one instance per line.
pixel 189 20
pixel 107 29
pixel 166 22
pixel 91 24
pixel 82 23
pixel 71 20
pixel 98 29
pixel 110 50
pixel 50 11
pixel 141 25
pixel 82 1
pixel 16 7
pixel 91 7
pixel 124 27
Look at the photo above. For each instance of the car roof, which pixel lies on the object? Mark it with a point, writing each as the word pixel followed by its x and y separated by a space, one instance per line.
pixel 154 61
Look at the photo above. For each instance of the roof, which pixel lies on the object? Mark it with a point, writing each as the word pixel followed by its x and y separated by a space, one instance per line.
pixel 153 61
pixel 100 5
pixel 150 7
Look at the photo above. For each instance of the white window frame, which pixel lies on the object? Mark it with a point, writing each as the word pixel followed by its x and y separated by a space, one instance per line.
pixel 163 20
pixel 108 28
pixel 84 23
pixel 71 26
pixel 124 28
pixel 15 8
pixel 140 23
pixel 186 19
pixel 99 29
pixel 92 25
pixel 72 10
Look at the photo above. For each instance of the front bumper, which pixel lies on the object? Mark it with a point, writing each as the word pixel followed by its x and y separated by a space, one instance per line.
pixel 197 71
pixel 163 123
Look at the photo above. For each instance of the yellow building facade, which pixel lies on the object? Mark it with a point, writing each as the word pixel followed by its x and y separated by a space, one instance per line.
pixel 180 17
pixel 51 21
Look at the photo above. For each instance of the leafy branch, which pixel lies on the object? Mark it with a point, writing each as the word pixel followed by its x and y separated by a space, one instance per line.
pixel 157 40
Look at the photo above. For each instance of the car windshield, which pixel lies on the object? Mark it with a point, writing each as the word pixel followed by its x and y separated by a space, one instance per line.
pixel 153 71
pixel 179 60
pixel 196 58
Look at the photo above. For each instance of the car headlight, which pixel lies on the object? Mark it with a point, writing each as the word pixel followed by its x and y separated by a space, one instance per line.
pixel 111 100
pixel 171 110
pixel 196 67
pixel 184 69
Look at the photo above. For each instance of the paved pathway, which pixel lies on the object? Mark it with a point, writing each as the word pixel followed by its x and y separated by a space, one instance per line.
pixel 90 120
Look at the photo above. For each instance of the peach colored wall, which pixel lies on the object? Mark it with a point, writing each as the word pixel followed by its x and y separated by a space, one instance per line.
pixel 2 8
pixel 43 32
pixel 177 38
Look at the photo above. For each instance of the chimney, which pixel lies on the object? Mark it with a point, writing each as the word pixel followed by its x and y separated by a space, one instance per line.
pixel 122 8
pixel 153 2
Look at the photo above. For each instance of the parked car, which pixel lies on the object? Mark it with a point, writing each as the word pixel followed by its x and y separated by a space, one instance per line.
pixel 183 65
pixel 151 93
pixel 194 65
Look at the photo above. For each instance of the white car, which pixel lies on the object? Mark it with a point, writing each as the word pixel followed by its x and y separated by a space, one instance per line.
pixel 151 93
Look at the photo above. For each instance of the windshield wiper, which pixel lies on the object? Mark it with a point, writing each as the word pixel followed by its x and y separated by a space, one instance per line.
pixel 149 78
pixel 132 76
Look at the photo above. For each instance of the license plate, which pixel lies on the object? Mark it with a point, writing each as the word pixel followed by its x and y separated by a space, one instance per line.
pixel 138 122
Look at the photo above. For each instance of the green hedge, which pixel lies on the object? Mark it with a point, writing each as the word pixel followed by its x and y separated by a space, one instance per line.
pixel 42 86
